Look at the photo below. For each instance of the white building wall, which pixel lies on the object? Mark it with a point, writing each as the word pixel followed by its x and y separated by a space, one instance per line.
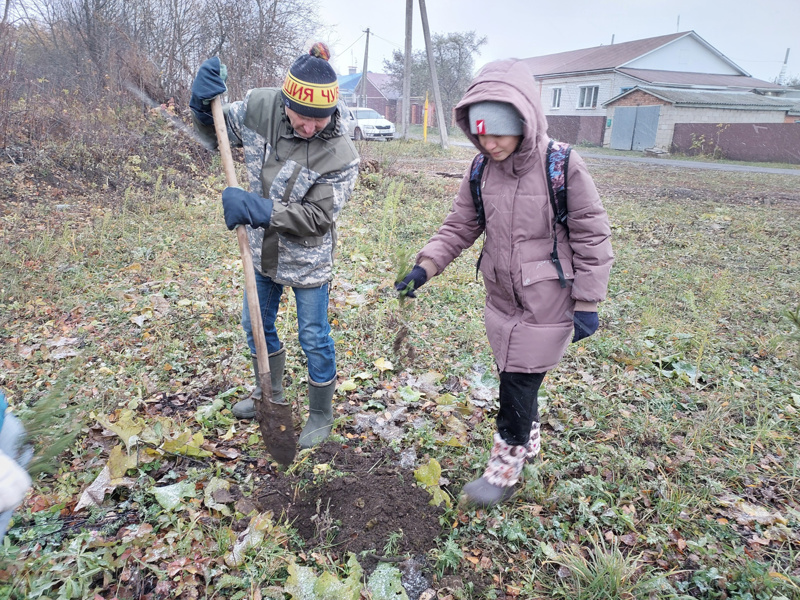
pixel 611 84
pixel 685 54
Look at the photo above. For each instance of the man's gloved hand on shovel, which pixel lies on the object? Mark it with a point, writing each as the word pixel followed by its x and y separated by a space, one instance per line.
pixel 245 208
pixel 208 84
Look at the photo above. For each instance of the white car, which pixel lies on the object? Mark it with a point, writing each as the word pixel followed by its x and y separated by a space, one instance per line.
pixel 368 124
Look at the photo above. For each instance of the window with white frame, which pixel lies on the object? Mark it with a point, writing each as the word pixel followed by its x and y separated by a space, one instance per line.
pixel 588 96
pixel 556 101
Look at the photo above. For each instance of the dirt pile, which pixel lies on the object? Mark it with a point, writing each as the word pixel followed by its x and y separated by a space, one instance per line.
pixel 351 500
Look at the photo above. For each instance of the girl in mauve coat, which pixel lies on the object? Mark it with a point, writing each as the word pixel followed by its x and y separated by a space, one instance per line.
pixel 530 314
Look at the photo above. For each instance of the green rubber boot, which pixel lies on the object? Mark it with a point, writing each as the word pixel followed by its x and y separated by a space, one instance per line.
pixel 246 409
pixel 320 413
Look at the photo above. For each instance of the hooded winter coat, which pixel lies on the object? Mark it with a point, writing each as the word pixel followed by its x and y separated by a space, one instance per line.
pixel 528 315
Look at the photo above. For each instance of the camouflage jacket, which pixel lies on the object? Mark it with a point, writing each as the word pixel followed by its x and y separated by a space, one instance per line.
pixel 308 181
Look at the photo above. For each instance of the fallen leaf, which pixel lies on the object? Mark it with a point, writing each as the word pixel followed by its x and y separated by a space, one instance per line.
pixel 355 299
pixel 347 386
pixel 383 365
pixel 102 485
pixel 170 496
pixel 251 537
pixel 187 444
pixel 60 342
pixel 746 513
pixel 63 353
pixel 126 426
pixel 217 494
pixel 119 461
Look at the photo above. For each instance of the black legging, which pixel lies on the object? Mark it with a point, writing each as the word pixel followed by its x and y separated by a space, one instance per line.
pixel 519 405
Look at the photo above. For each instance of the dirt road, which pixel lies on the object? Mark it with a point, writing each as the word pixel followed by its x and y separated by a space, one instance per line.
pixel 690 164
pixel 668 162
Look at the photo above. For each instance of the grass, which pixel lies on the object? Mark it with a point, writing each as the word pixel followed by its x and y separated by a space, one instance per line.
pixel 669 465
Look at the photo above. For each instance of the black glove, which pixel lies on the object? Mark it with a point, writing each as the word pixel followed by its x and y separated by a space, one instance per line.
pixel 586 323
pixel 245 208
pixel 411 282
pixel 208 84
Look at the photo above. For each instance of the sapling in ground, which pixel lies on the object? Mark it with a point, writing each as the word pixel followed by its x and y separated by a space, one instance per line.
pixel 402 262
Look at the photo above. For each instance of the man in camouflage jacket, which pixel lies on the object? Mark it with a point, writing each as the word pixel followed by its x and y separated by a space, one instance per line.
pixel 301 168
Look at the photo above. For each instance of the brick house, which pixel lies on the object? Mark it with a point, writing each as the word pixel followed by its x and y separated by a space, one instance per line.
pixel 381 96
pixel 646 116
pixel 581 90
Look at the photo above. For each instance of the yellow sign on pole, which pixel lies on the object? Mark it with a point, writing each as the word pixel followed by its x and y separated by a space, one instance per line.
pixel 425 120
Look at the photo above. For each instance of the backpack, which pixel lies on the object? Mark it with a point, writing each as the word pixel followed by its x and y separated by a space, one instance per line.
pixel 557 164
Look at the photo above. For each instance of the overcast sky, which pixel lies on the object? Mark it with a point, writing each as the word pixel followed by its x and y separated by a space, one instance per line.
pixel 754 35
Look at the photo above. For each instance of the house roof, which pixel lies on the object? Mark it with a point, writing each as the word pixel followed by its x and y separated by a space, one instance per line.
pixel 381 81
pixel 348 83
pixel 680 78
pixel 597 58
pixel 708 98
pixel 613 56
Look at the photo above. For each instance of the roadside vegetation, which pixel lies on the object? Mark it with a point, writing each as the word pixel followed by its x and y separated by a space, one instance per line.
pixel 669 465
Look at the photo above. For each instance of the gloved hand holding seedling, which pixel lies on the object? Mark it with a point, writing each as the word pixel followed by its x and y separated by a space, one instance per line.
pixel 404 266
pixel 415 279
pixel 409 279
pixel 405 285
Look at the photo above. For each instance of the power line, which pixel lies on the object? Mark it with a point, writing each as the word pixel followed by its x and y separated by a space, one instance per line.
pixel 384 39
pixel 353 44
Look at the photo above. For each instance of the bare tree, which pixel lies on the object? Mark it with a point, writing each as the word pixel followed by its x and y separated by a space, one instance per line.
pixel 157 45
pixel 6 12
pixel 258 41
pixel 454 54
pixel 8 48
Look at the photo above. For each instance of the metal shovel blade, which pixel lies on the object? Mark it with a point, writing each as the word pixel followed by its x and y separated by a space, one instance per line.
pixel 277 428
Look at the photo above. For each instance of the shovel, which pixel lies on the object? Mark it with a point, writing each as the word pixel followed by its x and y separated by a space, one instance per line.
pixel 274 420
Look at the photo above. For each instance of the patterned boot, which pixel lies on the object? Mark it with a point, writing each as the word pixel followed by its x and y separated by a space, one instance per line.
pixel 501 475
pixel 534 444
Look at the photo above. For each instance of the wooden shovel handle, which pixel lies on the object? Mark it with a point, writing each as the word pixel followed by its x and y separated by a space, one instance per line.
pixel 247 258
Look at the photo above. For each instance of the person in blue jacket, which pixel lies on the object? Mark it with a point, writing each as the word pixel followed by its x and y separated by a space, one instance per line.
pixel 14 456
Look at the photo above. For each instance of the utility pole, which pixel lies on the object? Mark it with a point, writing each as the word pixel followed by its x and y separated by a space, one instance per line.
pixel 406 116
pixel 437 98
pixel 364 73
pixel 782 76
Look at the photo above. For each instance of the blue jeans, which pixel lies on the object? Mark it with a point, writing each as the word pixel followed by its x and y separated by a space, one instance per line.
pixel 313 328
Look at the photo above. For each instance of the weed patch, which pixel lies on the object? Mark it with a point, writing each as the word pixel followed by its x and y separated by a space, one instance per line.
pixel 669 465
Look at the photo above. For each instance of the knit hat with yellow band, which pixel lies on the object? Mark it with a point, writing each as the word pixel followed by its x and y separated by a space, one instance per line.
pixel 311 87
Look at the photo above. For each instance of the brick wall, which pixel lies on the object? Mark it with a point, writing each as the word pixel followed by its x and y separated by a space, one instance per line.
pixel 765 142
pixel 576 130
pixel 639 98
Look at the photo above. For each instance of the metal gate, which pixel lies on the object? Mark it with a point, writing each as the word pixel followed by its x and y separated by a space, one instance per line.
pixel 634 127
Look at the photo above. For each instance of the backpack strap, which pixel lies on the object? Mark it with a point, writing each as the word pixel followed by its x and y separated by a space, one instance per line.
pixel 557 165
pixel 475 177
